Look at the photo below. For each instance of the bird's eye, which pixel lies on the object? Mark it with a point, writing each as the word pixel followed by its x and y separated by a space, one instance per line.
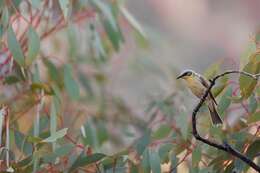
pixel 188 73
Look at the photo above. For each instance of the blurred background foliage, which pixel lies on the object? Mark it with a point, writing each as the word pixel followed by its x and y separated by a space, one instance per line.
pixel 81 93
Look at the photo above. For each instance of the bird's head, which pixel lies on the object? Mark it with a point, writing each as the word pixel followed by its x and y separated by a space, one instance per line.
pixel 186 74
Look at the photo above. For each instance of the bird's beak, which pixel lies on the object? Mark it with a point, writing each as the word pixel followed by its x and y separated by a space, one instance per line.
pixel 179 77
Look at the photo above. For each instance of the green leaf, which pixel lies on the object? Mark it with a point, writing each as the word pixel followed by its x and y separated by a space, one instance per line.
pixel 22 144
pixel 163 131
pixel 98 45
pixel 57 92
pixel 257 37
pixel 246 83
pixel 102 132
pixel 155 162
pixel 133 168
pixel 2 118
pixel 107 13
pixel 34 139
pixel 212 70
pixel 249 50
pixel 86 83
pixel 73 41
pixel 217 132
pixel 52 70
pixel 109 22
pixel 252 104
pixel 164 152
pixel 114 36
pixel 5 17
pixel 225 101
pixel 132 21
pixel 182 123
pixel 86 160
pixel 70 84
pixel 64 150
pixel 254 117
pixel 143 142
pixel 91 134
pixel 41 86
pixel 16 3
pixel 146 161
pixel 135 25
pixel 193 170
pixel 36 74
pixel 2 30
pixel 174 162
pixel 56 135
pixel 53 122
pixel 252 151
pixel 25 162
pixel 238 166
pixel 11 80
pixel 33 46
pixel 229 168
pixel 15 47
pixel 65 5
pixel 196 156
pixel 36 3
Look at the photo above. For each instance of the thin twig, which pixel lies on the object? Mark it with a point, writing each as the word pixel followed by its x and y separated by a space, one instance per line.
pixel 225 146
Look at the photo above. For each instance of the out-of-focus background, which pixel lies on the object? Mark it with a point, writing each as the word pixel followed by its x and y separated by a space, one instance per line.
pixel 205 31
pixel 183 35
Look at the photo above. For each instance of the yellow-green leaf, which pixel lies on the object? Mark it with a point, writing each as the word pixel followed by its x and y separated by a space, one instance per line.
pixel 220 86
pixel 196 156
pixel 254 117
pixel 162 132
pixel 246 83
pixel 212 70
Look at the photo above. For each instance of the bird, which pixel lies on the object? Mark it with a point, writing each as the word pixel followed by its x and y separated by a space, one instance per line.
pixel 198 86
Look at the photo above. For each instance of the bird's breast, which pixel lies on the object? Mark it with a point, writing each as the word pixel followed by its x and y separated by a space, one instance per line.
pixel 196 87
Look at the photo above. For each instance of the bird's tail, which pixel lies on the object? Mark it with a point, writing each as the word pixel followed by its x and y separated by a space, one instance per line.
pixel 215 118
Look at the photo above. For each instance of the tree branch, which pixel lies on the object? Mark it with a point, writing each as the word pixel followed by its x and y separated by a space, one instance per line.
pixel 225 146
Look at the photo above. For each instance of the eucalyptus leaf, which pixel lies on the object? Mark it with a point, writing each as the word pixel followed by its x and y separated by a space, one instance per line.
pixel 36 3
pixel 146 161
pixel 155 162
pixel 196 156
pixel 33 46
pixel 83 160
pixel 15 47
pixel 255 117
pixel 225 101
pixel 247 84
pixel 70 84
pixel 162 132
pixel 252 104
pixel 143 142
pixel 56 135
pixel 65 5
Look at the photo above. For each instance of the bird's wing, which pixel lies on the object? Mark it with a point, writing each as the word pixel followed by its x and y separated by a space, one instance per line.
pixel 206 84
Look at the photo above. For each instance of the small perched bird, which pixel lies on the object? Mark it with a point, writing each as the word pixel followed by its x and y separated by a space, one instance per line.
pixel 198 85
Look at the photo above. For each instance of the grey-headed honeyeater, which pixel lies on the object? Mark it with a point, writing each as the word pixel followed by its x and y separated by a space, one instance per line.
pixel 198 86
